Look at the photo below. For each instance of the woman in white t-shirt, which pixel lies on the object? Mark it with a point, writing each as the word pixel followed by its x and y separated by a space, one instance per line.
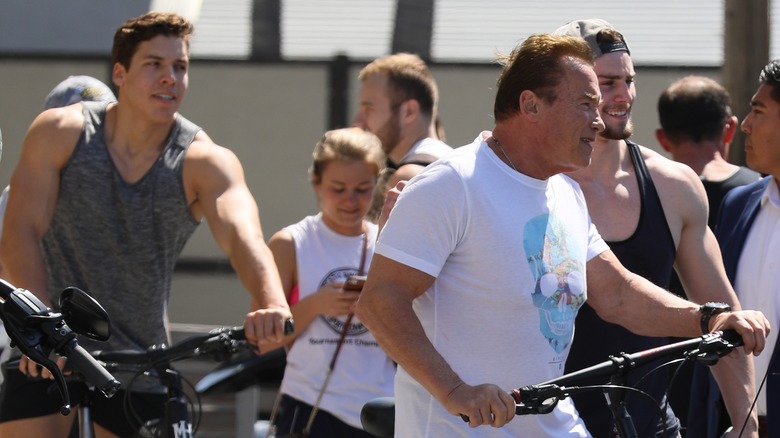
pixel 315 257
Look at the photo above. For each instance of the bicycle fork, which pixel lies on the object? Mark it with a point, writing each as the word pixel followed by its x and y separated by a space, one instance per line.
pixel 616 400
pixel 177 418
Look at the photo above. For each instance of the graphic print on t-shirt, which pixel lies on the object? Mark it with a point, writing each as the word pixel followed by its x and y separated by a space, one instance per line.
pixel 356 328
pixel 560 283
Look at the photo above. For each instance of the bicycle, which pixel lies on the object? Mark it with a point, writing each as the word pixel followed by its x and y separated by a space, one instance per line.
pixel 37 332
pixel 378 415
pixel 181 414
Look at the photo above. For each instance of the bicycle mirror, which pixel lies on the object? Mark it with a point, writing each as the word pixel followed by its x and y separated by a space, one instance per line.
pixel 84 314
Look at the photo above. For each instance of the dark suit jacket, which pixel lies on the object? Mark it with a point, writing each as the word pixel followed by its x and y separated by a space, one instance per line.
pixel 736 216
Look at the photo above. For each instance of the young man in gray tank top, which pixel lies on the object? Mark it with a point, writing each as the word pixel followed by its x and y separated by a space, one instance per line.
pixel 105 197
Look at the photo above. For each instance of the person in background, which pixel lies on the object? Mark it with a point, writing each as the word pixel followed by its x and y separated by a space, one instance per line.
pixel 748 231
pixel 652 212
pixel 489 253
pixel 79 88
pixel 315 257
pixel 398 102
pixel 697 127
pixel 105 196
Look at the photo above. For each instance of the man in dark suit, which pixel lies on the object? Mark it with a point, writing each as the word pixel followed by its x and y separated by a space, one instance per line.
pixel 748 231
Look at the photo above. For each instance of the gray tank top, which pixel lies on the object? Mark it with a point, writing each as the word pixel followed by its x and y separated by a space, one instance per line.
pixel 118 241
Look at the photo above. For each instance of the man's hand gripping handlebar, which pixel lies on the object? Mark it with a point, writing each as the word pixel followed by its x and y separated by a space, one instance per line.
pixel 542 398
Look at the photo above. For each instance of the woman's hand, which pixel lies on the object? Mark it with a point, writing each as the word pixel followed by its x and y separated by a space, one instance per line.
pixel 332 300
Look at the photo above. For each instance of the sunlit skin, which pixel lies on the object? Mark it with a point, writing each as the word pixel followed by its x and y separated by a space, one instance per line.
pixel 344 194
pixel 616 78
pixel 576 122
pixel 762 129
pixel 156 81
pixel 375 111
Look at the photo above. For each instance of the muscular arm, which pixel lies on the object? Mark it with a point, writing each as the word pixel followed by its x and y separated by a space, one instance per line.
pixel 385 307
pixel 214 180
pixel 700 267
pixel 35 185
pixel 627 299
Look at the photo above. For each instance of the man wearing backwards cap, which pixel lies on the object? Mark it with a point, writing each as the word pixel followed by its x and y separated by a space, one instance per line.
pixel 653 214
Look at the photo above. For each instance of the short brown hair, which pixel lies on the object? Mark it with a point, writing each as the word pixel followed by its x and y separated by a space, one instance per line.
pixel 346 144
pixel 409 78
pixel 137 30
pixel 535 65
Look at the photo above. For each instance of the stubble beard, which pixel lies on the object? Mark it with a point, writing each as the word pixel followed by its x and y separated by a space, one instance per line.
pixel 621 132
pixel 389 134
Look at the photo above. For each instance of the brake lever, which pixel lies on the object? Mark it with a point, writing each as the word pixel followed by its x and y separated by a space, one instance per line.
pixel 714 346
pixel 534 399
pixel 538 399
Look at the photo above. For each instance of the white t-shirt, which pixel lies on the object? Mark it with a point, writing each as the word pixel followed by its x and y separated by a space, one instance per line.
pixel 363 371
pixel 429 146
pixel 758 275
pixel 509 254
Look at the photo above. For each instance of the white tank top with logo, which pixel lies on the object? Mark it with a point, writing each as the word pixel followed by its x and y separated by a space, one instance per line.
pixel 362 371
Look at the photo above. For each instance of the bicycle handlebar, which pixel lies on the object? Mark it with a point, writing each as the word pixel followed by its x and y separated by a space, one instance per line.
pixel 37 331
pixel 543 397
pixel 217 341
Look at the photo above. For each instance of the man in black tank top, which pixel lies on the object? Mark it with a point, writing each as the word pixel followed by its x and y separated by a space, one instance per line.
pixel 652 212
pixel 697 127
pixel 104 198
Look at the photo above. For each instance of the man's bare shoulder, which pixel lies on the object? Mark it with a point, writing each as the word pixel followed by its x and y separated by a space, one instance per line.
pixel 209 164
pixel 54 133
pixel 681 191
pixel 663 169
pixel 204 152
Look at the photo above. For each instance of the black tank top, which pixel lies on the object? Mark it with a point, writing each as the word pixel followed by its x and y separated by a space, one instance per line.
pixel 649 252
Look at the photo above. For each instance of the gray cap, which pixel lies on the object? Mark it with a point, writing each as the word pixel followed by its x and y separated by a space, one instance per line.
pixel 77 88
pixel 589 31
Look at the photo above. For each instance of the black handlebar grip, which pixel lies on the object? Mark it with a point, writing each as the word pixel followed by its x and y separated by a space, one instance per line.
pixel 732 337
pixel 6 289
pixel 92 370
pixel 289 328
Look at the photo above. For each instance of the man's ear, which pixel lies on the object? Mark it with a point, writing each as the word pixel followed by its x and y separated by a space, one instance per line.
pixel 118 74
pixel 410 111
pixel 729 129
pixel 529 103
pixel 660 135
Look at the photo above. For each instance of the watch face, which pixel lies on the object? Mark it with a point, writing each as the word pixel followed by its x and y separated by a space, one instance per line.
pixel 716 307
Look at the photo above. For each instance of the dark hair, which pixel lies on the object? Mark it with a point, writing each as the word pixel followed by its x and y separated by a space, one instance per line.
pixel 694 108
pixel 609 38
pixel 408 78
pixel 137 30
pixel 770 75
pixel 535 65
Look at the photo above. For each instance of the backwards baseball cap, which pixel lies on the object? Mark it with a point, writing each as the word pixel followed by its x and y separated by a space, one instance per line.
pixel 589 30
pixel 76 89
